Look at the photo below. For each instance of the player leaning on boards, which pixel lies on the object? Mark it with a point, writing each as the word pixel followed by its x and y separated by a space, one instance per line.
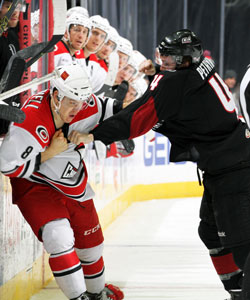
pixel 193 107
pixel 49 182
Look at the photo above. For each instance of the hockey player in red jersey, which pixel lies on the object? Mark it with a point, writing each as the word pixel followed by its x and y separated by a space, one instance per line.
pixel 49 182
pixel 194 108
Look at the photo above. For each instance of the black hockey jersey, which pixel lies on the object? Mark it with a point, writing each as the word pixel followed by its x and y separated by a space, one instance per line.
pixel 194 108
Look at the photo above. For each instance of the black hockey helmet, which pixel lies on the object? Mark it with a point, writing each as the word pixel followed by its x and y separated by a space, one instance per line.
pixel 182 43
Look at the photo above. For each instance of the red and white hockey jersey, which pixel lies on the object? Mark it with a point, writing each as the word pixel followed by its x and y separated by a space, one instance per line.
pixel 66 172
pixel 96 72
pixel 63 57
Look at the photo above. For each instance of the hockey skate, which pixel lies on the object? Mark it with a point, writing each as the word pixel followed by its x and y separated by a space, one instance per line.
pixel 235 294
pixel 82 297
pixel 110 292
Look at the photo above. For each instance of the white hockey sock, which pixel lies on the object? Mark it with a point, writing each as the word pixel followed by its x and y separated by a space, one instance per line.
pixel 94 274
pixel 68 274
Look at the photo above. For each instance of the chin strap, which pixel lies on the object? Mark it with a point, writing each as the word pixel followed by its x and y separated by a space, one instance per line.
pixel 57 107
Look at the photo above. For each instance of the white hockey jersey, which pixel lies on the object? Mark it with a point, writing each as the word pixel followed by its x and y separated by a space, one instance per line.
pixel 63 57
pixel 97 72
pixel 65 172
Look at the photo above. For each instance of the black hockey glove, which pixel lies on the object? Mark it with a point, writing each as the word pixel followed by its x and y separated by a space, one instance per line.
pixel 121 91
pixel 125 147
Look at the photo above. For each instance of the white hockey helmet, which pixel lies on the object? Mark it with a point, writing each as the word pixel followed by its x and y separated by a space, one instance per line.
pixel 125 46
pixel 78 19
pixel 135 61
pixel 72 81
pixel 100 23
pixel 138 56
pixel 78 9
pixel 113 36
pixel 140 85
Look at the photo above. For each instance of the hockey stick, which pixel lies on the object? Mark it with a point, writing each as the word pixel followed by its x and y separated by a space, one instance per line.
pixel 100 150
pixel 27 86
pixel 59 10
pixel 14 74
pixel 17 64
pixel 4 21
pixel 113 68
pixel 11 113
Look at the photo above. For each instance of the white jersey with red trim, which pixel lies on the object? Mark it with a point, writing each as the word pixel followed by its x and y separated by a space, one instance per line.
pixel 63 57
pixel 65 172
pixel 97 72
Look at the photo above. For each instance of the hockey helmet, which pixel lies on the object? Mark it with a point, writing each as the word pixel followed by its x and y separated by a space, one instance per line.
pixel 100 23
pixel 125 46
pixel 78 9
pixel 113 36
pixel 78 19
pixel 140 86
pixel 72 81
pixel 182 43
pixel 139 57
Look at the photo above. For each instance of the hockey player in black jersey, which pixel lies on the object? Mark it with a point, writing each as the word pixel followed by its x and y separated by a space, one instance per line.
pixel 194 108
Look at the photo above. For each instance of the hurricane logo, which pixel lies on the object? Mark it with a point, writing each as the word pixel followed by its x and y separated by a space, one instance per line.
pixel 42 133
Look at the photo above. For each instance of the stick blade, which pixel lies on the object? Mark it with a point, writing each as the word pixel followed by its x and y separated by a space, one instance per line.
pixel 11 114
pixel 12 74
pixel 59 11
pixel 100 150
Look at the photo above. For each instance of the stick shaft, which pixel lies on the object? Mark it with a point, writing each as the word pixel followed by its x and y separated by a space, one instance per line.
pixel 26 86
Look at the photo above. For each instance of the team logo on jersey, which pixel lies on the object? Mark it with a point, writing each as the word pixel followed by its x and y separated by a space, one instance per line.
pixel 42 133
pixel 91 101
pixel 69 171
pixel 247 133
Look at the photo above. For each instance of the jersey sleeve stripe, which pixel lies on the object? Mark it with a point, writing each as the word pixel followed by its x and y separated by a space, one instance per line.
pixel 141 124
pixel 14 172
pixel 27 166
